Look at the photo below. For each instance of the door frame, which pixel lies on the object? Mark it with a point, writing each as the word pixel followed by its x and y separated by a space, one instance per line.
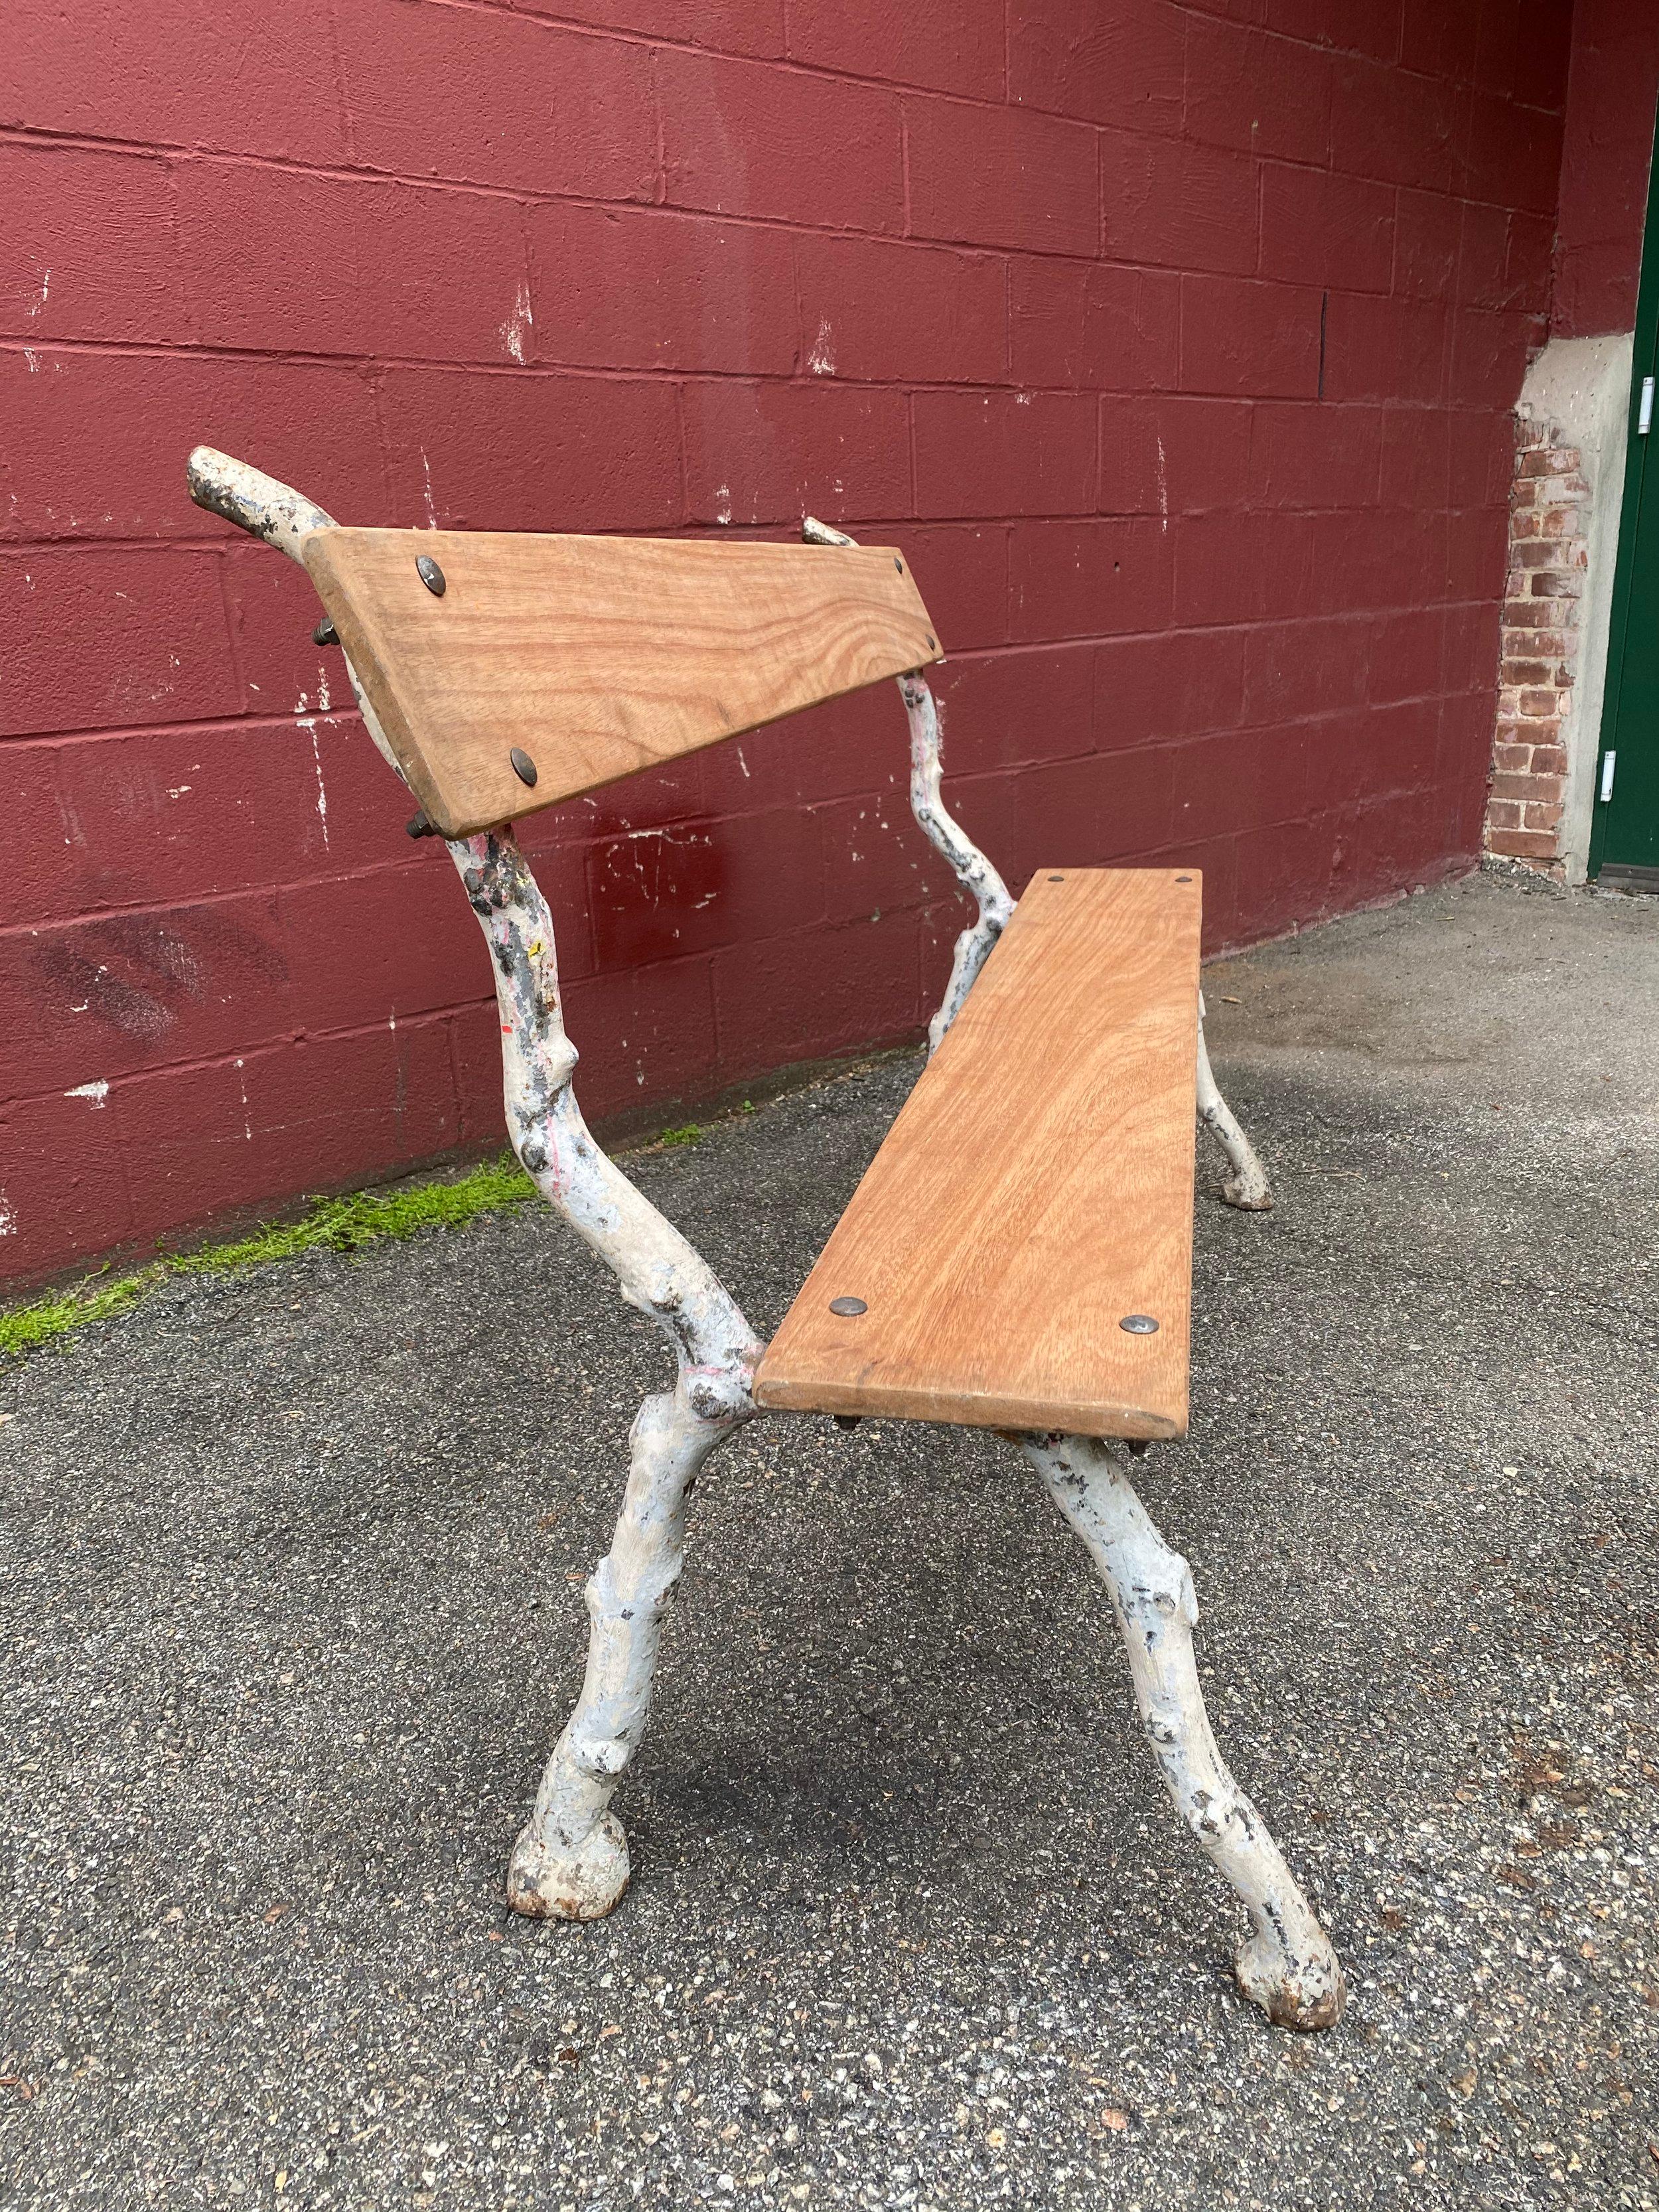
pixel 1644 362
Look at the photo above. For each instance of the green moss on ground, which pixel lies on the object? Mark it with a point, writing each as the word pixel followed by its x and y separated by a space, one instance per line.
pixel 334 1225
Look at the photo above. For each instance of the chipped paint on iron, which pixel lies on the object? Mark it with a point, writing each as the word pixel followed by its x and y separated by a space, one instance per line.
pixel 1287 1967
pixel 1247 1187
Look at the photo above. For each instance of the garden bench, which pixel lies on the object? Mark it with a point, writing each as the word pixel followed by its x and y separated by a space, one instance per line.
pixel 1018 1256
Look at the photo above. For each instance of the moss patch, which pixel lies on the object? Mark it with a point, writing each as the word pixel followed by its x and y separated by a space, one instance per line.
pixel 334 1225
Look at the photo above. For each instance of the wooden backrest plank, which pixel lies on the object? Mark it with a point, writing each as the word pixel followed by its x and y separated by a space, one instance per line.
pixel 1037 1188
pixel 598 656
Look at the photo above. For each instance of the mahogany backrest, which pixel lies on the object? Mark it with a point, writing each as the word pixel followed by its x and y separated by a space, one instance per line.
pixel 492 658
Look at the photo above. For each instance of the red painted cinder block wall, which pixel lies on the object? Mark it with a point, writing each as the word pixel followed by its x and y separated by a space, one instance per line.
pixel 1175 343
pixel 1613 86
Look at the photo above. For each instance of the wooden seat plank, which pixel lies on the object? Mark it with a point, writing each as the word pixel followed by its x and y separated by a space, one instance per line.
pixel 598 656
pixel 1036 1189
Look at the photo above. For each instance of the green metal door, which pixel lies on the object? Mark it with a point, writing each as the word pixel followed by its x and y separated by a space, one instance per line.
pixel 1624 828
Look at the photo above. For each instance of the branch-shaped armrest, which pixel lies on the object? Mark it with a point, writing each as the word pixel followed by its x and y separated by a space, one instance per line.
pixel 971 868
pixel 253 501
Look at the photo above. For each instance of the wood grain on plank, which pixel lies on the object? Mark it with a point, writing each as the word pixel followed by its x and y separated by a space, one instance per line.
pixel 1036 1187
pixel 598 656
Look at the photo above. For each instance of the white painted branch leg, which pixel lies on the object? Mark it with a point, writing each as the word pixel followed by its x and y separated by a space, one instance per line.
pixel 1247 1186
pixel 571 1861
pixel 1287 1967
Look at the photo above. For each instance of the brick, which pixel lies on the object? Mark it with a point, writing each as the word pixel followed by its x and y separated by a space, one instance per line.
pixel 531 451
pixel 1428 245
pixel 1398 129
pixel 1385 349
pixel 1123 64
pixel 1511 759
pixel 93 1000
pixel 768 454
pixel 319 1114
pixel 993 176
pixel 503 100
pixel 1360 27
pixel 86 246
pixel 876 860
pixel 62 1195
pixel 1294 670
pixel 1541 814
pixel 1259 341
pixel 1099 811
pixel 1319 226
pixel 1510 155
pixel 1093 579
pixel 493 98
pixel 1173 455
pixel 962 571
pixel 956 48
pixel 1005 709
pixel 817 992
pixel 1220 786
pixel 1178 203
pixel 1003 452
pixel 1549 760
pixel 1234 567
pixel 97 442
pixel 1503 814
pixel 1523 844
pixel 901 313
pixel 1507 784
pixel 732 26
pixel 1489 356
pixel 192 73
pixel 101 636
pixel 646 1035
pixel 1407 653
pixel 626 288
pixel 1105 329
pixel 1255 93
pixel 1417 458
pixel 281 262
pixel 1171 684
pixel 415 946
pixel 161 815
pixel 740 138
pixel 695 888
pixel 1304 455
pixel 1538 702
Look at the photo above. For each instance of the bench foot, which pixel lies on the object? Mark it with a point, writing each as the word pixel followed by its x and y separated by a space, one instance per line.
pixel 571 1861
pixel 1247 1187
pixel 1287 1967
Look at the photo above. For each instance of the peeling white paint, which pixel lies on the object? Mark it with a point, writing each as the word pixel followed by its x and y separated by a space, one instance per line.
pixel 174 791
pixel 247 1111
pixel 1247 1187
pixel 1287 1965
pixel 520 324
pixel 322 791
pixel 7 1218
pixel 1162 486
pixel 821 360
pixel 96 1093
pixel 431 505
pixel 32 359
pixel 35 306
pixel 723 503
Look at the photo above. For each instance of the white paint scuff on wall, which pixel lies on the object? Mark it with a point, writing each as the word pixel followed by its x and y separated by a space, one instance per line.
pixel 96 1093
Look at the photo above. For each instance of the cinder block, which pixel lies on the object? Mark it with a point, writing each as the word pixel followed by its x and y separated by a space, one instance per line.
pixel 86 246
pixel 990 176
pixel 740 138
pixel 892 313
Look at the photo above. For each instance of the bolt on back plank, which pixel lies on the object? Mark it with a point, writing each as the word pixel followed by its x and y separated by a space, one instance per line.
pixel 591 658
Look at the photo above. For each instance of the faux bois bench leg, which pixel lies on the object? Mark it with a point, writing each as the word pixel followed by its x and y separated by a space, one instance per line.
pixel 1287 1967
pixel 1248 1185
pixel 571 1861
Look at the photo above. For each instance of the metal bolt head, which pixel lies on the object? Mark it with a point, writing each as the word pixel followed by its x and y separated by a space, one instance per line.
pixel 847 1306
pixel 430 574
pixel 326 633
pixel 523 767
pixel 1139 1325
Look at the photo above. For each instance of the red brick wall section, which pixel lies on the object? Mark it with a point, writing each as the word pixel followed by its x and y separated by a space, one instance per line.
pixel 1177 343
pixel 1611 90
pixel 1539 647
